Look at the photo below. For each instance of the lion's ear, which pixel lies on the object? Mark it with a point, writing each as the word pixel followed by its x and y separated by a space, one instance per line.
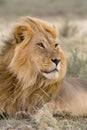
pixel 21 32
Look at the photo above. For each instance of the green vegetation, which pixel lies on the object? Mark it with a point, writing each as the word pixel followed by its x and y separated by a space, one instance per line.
pixel 77 64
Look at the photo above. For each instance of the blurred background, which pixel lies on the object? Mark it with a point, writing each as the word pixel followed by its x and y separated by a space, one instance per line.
pixel 11 8
pixel 69 16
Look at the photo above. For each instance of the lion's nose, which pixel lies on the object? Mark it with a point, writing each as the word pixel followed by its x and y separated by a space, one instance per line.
pixel 56 61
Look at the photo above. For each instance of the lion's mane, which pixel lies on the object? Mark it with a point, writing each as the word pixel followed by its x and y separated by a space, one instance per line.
pixel 21 88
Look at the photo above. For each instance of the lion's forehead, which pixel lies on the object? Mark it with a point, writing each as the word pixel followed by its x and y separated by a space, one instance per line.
pixel 45 38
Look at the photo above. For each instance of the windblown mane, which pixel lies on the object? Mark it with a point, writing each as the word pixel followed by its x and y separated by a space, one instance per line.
pixel 22 90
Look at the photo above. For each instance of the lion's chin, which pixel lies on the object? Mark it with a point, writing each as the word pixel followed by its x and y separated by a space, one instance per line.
pixel 52 75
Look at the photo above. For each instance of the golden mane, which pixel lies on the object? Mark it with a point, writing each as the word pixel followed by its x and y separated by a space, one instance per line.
pixel 21 87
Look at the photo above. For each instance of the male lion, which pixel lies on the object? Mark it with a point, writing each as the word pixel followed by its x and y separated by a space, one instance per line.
pixel 32 66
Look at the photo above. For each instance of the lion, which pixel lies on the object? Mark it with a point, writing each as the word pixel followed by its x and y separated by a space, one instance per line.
pixel 32 72
pixel 32 66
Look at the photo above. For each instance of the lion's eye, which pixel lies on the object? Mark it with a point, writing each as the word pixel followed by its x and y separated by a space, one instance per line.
pixel 41 45
pixel 56 45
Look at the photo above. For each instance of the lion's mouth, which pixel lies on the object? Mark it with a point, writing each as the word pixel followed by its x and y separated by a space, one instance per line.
pixel 52 74
pixel 47 72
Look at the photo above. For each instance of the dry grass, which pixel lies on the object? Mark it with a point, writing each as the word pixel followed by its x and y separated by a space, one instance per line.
pixel 43 8
pixel 46 122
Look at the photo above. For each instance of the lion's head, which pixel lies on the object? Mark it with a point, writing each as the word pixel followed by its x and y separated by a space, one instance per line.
pixel 37 51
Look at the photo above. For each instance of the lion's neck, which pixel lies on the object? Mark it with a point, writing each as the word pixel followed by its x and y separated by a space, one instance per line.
pixel 40 93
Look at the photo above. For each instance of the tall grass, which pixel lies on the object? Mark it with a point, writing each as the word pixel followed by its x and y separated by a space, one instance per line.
pixel 77 64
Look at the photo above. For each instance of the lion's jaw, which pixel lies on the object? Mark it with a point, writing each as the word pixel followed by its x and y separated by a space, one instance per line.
pixel 53 74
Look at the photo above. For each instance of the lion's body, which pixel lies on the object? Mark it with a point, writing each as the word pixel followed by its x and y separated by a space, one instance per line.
pixel 72 97
pixel 30 72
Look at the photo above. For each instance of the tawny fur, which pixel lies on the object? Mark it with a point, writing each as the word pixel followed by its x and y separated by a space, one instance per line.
pixel 22 85
pixel 72 98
